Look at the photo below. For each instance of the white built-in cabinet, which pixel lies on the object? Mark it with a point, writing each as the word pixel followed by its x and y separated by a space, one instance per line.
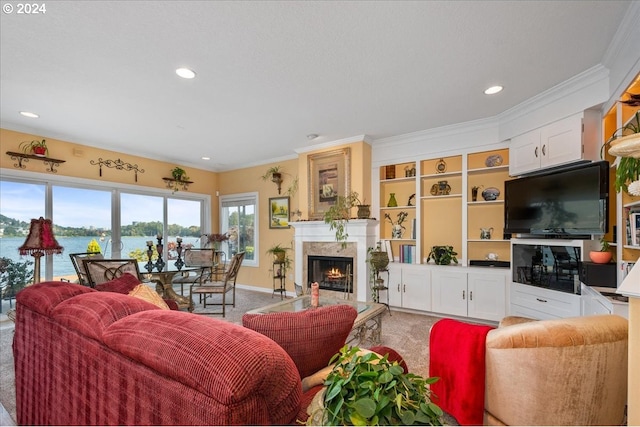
pixel 469 294
pixel 409 287
pixel 571 139
pixel 593 302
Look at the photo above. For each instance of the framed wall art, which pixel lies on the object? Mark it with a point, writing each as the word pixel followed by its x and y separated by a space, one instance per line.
pixel 279 212
pixel 328 178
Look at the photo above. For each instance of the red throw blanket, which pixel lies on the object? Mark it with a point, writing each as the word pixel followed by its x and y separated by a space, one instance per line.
pixel 457 356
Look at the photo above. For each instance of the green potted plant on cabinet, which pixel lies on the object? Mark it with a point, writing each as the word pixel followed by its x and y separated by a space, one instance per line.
pixel 442 255
pixel 38 148
pixel 364 388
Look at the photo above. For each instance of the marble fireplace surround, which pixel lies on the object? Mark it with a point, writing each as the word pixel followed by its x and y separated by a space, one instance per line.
pixel 315 238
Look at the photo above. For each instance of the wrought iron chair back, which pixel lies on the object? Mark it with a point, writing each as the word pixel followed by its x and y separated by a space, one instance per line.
pixel 101 271
pixel 228 283
pixel 77 261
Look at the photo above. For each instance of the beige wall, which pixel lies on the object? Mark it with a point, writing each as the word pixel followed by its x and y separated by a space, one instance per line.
pixel 78 165
pixel 250 180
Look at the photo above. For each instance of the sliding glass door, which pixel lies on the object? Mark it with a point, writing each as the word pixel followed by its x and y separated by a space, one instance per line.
pixel 119 222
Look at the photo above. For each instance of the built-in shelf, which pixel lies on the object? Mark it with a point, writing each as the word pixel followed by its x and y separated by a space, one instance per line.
pixel 22 158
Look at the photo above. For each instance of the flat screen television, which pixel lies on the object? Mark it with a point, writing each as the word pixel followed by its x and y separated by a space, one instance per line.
pixel 571 202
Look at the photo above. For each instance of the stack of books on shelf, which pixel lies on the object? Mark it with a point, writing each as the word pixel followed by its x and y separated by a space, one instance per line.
pixel 406 255
pixel 633 227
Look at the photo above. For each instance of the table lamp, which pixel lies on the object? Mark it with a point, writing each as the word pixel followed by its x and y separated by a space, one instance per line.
pixel 40 241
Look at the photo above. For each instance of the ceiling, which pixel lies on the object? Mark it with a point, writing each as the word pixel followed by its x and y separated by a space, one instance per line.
pixel 102 73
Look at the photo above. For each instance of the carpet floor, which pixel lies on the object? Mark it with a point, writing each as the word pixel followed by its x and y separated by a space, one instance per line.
pixel 407 333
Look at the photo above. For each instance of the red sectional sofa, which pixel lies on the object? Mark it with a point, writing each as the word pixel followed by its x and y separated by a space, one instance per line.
pixel 88 357
pixel 84 357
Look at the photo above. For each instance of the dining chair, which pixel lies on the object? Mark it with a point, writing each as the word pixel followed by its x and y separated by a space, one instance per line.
pixel 77 261
pixel 227 283
pixel 203 260
pixel 104 270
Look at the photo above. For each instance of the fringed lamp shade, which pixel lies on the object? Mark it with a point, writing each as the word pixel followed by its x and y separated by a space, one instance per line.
pixel 40 241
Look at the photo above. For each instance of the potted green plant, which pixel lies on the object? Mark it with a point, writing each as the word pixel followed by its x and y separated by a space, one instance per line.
pixel 625 145
pixel 38 148
pixel 279 252
pixel 274 173
pixel 14 276
pixel 442 255
pixel 338 215
pixel 366 389
pixel 179 174
pixel 604 255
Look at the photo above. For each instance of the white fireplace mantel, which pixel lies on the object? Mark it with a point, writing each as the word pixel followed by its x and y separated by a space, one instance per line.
pixel 362 232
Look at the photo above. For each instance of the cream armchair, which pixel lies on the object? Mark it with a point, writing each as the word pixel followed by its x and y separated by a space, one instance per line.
pixel 569 371
pixel 557 372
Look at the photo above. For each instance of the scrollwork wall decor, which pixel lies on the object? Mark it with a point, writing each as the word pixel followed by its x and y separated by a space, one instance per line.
pixel 119 165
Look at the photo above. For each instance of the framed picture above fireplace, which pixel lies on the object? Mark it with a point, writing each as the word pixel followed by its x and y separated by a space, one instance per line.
pixel 278 212
pixel 329 177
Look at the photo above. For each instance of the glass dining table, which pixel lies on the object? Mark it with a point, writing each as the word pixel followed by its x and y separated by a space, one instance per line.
pixel 164 283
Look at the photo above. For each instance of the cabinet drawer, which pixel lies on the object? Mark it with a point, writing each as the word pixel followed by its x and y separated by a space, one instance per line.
pixel 544 303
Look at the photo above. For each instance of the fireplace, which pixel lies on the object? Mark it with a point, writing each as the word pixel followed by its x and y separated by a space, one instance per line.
pixel 314 238
pixel 331 273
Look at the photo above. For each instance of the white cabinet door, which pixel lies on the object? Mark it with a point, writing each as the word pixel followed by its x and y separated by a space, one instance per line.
pixel 416 288
pixel 524 153
pixel 410 287
pixel 487 296
pixel 395 285
pixel 561 141
pixel 449 292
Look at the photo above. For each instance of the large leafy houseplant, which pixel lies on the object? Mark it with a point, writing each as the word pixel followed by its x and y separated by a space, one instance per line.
pixel 367 389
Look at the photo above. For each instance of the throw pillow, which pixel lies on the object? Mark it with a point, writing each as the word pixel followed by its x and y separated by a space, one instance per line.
pixel 122 285
pixel 147 294
pixel 310 337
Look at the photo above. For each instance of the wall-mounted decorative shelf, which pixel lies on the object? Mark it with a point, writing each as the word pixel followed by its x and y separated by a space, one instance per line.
pixel 177 184
pixel 119 165
pixel 22 158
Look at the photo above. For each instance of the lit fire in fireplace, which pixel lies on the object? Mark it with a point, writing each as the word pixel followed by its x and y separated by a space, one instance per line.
pixel 335 274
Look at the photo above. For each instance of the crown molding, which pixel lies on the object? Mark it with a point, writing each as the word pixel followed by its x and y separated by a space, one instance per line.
pixel 331 144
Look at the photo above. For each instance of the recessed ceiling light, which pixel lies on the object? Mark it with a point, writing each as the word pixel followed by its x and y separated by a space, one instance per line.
pixel 29 114
pixel 493 90
pixel 312 136
pixel 185 73
pixel 205 158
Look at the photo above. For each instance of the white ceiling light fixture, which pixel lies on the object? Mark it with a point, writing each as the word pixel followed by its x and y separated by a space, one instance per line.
pixel 493 90
pixel 205 158
pixel 29 114
pixel 185 73
pixel 312 136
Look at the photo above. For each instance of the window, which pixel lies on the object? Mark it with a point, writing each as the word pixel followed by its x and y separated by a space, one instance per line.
pixel 121 220
pixel 238 218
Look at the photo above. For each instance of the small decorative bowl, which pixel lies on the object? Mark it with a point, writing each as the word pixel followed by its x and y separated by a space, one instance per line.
pixel 493 160
pixel 490 194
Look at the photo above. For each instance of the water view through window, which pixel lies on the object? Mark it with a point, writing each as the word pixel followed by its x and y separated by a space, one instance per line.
pixel 85 215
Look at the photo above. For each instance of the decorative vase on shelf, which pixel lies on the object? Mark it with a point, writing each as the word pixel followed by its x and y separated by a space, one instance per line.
pixel 397 231
pixel 392 201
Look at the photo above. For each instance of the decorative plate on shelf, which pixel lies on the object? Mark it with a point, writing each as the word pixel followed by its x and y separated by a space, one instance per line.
pixel 493 160
pixel 441 166
pixel 490 194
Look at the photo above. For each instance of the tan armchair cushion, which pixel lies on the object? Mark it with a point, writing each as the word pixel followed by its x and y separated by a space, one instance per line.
pixel 557 372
